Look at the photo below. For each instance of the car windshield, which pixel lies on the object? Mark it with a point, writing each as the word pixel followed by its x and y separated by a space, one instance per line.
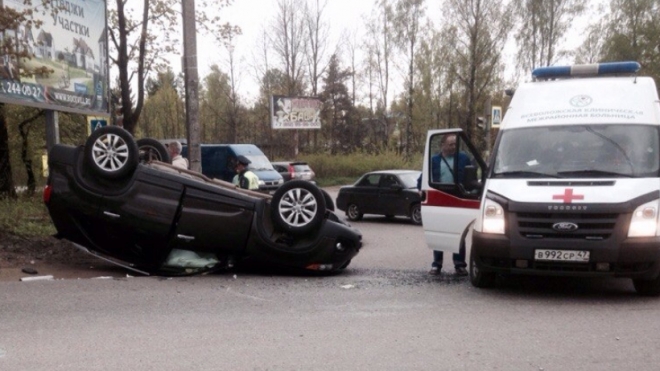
pixel 409 179
pixel 578 151
pixel 259 162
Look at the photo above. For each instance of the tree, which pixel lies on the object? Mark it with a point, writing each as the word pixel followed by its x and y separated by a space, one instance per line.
pixel 592 46
pixel 337 108
pixel 315 52
pixel 633 33
pixel 288 42
pixel 6 178
pixel 380 49
pixel 163 115
pixel 543 24
pixel 214 106
pixel 317 39
pixel 407 21
pixel 234 105
pixel 476 31
pixel 434 95
pixel 11 51
pixel 141 43
pixel 24 130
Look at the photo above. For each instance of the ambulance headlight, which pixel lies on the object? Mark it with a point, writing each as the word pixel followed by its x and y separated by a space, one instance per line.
pixel 644 221
pixel 493 217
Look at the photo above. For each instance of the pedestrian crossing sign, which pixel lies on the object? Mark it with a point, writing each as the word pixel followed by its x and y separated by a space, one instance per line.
pixel 95 123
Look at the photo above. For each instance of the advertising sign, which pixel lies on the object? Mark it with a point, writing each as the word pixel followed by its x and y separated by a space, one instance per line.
pixel 295 112
pixel 71 43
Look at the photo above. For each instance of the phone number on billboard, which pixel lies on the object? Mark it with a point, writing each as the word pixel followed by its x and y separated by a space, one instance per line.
pixel 22 90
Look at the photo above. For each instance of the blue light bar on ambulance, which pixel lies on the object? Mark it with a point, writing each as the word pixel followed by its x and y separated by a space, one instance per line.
pixel 586 70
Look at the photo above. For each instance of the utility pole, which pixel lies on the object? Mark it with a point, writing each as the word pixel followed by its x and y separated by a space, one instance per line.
pixel 488 109
pixel 191 77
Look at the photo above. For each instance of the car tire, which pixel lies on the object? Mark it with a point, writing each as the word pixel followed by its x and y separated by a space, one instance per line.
pixel 478 277
pixel 416 214
pixel 353 212
pixel 151 149
pixel 298 207
pixel 329 203
pixel 111 152
pixel 647 287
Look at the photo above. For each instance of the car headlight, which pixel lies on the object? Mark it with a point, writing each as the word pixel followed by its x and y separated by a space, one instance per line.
pixel 261 182
pixel 493 217
pixel 280 181
pixel 644 221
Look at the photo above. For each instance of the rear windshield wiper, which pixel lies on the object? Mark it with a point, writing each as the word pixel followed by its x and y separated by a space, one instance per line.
pixel 594 172
pixel 525 174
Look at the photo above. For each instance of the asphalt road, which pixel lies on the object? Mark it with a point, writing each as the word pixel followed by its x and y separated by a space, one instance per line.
pixel 383 313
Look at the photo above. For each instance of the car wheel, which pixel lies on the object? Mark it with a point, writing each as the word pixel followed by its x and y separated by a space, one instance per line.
pixel 152 150
pixel 111 152
pixel 353 212
pixel 298 206
pixel 647 287
pixel 329 203
pixel 479 278
pixel 416 214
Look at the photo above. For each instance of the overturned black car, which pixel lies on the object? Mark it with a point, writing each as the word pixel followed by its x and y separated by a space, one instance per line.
pixel 158 219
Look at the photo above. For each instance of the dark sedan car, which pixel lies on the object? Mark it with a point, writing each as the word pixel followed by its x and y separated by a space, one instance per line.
pixel 385 192
pixel 166 220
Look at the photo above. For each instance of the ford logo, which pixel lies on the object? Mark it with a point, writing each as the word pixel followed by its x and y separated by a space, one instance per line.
pixel 565 227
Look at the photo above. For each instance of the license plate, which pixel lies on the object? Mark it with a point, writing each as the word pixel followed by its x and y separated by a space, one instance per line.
pixel 581 256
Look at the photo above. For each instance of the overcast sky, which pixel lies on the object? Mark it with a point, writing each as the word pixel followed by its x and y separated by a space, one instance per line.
pixel 252 16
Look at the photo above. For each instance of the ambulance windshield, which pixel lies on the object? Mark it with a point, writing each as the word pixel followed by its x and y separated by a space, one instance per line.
pixel 578 151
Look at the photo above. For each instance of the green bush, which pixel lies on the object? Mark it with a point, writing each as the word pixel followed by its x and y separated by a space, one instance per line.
pixel 346 169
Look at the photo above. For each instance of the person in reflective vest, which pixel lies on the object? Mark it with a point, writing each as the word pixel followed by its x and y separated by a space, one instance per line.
pixel 244 178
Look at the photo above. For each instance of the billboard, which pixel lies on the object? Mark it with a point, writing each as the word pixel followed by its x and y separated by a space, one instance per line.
pixel 71 43
pixel 295 112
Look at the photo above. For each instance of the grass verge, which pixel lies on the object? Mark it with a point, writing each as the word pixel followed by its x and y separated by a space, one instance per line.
pixel 25 216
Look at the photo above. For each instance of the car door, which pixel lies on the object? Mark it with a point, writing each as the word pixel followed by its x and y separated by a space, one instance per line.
pixel 364 194
pixel 138 220
pixel 452 184
pixel 391 199
pixel 214 220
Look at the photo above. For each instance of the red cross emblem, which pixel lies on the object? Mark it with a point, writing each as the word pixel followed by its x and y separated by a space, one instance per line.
pixel 568 196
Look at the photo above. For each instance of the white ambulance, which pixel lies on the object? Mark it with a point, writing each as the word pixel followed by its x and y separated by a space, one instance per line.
pixel 572 187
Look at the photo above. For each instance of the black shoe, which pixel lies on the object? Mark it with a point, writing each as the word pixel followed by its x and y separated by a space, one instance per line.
pixel 435 271
pixel 461 271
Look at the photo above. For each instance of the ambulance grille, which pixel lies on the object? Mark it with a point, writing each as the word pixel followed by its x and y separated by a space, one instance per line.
pixel 571 183
pixel 591 226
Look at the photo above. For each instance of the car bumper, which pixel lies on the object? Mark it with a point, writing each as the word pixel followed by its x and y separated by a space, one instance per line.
pixel 329 249
pixel 631 257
